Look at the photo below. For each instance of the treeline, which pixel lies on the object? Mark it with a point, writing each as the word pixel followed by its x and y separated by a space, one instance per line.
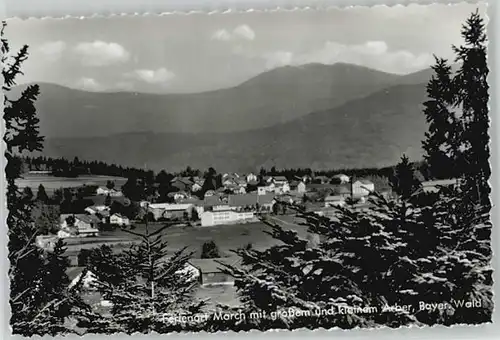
pixel 63 167
pixel 420 167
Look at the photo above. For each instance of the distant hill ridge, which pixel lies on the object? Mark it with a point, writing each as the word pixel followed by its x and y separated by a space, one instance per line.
pixel 274 97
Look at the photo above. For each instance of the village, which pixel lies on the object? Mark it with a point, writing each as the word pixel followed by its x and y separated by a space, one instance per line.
pixel 228 216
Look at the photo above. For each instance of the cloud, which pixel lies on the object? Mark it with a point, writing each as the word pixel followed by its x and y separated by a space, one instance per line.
pixel 89 84
pixel 374 54
pixel 161 75
pixel 222 35
pixel 242 32
pixel 100 53
pixel 53 49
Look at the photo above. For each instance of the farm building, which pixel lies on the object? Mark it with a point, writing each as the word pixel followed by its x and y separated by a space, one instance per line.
pixel 80 224
pixel 119 220
pixel 210 270
pixel 171 211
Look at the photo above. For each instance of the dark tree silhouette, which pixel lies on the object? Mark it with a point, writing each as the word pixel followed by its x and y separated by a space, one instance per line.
pixel 41 194
pixel 472 97
pixel 209 250
pixel 110 184
pixel 404 181
pixel 39 297
pixel 442 140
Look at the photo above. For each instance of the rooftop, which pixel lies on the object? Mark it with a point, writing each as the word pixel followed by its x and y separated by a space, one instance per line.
pixel 171 206
pixel 214 265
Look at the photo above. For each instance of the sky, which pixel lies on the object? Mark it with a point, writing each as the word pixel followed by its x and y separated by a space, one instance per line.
pixel 175 53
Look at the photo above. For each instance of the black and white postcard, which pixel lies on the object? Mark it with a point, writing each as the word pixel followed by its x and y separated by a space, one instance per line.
pixel 323 168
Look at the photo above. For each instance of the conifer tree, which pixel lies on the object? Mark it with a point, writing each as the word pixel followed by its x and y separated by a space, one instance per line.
pixel 28 193
pixel 393 253
pixel 404 181
pixel 442 139
pixel 472 97
pixel 41 194
pixel 38 298
pixel 143 284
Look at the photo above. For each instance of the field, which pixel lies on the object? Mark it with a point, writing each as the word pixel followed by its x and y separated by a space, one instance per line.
pixel 227 237
pixel 52 183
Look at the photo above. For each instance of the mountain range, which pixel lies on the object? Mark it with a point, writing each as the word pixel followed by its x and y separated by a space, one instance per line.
pixel 318 116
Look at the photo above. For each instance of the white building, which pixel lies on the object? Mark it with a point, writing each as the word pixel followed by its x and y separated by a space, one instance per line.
pixel 226 216
pixel 362 188
pixel 119 220
pixel 341 179
pixel 263 190
pixel 83 225
pixel 94 209
pixel 251 177
pixel 110 192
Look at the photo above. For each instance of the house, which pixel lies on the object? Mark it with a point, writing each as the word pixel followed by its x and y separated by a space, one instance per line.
pixel 196 187
pixel 228 182
pixel 268 179
pixel 182 183
pixel 89 293
pixel 209 193
pixel 80 224
pixel 94 209
pixel 119 220
pixel 362 187
pixel 298 186
pixel 334 201
pixel 306 179
pixel 211 270
pixel 252 201
pixel 321 180
pixel 111 192
pixel 171 210
pixel 280 180
pixel 240 190
pixel 178 196
pixel 340 179
pixel 103 215
pixel 47 242
pixel 343 190
pixel 265 189
pixel 251 177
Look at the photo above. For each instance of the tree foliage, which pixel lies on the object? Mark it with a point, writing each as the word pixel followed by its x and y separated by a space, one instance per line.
pixel 457 144
pixel 143 284
pixel 209 250
pixel 39 297
pixel 404 181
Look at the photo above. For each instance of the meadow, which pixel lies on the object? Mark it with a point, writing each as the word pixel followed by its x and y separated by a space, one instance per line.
pixel 226 237
pixel 52 183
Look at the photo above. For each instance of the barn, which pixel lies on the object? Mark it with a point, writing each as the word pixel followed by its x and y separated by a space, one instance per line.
pixel 210 270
